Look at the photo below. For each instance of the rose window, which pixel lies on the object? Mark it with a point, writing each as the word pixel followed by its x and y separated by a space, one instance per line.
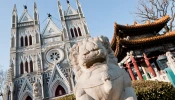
pixel 54 56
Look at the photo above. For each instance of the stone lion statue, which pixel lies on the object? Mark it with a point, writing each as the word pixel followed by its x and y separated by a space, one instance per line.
pixel 98 76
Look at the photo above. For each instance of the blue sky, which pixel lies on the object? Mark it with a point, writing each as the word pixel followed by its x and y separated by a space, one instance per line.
pixel 100 16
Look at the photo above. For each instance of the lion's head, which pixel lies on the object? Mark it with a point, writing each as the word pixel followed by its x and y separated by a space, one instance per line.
pixel 90 51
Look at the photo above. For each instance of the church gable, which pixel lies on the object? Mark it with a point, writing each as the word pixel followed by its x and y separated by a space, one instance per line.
pixel 71 11
pixel 25 18
pixel 57 74
pixel 26 86
pixel 51 29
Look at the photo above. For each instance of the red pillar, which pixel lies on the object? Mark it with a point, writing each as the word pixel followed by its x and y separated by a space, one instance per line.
pixel 136 67
pixel 149 65
pixel 130 71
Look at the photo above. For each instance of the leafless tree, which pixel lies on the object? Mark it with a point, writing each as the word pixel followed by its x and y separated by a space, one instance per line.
pixel 2 80
pixel 154 9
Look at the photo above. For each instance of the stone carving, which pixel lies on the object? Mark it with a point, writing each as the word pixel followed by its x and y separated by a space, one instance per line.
pixel 171 61
pixel 37 93
pixel 98 76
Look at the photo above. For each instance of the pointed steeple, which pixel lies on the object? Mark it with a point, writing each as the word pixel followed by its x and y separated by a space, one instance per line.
pixel 14 17
pixel 36 15
pixel 60 10
pixel 14 8
pixel 79 8
pixel 35 6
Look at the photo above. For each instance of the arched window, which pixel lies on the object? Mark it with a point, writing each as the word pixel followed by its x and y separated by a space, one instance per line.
pixel 26 41
pixel 37 38
pixel 72 32
pixel 75 30
pixel 79 31
pixel 59 91
pixel 22 42
pixel 21 68
pixel 14 19
pixel 26 67
pixel 31 66
pixel 28 98
pixel 30 40
pixel 13 42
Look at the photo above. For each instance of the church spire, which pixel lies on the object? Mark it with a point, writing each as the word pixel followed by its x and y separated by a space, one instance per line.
pixel 14 17
pixel 60 10
pixel 36 15
pixel 14 8
pixel 35 6
pixel 79 8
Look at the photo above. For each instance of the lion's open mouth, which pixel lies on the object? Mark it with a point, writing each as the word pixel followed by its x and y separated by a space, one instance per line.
pixel 90 62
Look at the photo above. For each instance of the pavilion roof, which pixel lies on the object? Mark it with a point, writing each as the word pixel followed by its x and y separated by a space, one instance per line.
pixel 147 24
pixel 121 44
pixel 148 40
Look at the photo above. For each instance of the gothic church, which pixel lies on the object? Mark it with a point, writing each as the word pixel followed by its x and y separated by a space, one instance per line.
pixel 42 57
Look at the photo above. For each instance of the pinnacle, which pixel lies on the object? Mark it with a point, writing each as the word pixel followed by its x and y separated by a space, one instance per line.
pixel 14 8
pixel 35 6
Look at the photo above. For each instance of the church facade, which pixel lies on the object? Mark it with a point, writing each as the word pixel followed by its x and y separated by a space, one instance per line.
pixel 42 57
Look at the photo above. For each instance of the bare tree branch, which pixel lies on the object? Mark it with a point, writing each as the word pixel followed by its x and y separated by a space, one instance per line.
pixel 173 15
pixel 2 80
pixel 154 9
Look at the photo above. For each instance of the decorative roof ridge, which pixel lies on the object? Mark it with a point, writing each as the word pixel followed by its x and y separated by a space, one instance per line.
pixel 159 37
pixel 164 19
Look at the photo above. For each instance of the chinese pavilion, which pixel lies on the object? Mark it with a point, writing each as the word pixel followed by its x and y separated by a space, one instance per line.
pixel 141 49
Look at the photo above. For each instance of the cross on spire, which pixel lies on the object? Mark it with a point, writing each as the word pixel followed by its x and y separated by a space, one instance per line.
pixel 25 7
pixel 68 1
pixel 49 15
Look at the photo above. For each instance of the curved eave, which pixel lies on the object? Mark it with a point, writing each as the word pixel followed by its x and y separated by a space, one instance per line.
pixel 113 41
pixel 155 24
pixel 161 21
pixel 149 40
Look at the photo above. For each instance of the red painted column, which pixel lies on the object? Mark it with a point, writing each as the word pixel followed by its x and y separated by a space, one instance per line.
pixel 130 71
pixel 136 67
pixel 149 65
